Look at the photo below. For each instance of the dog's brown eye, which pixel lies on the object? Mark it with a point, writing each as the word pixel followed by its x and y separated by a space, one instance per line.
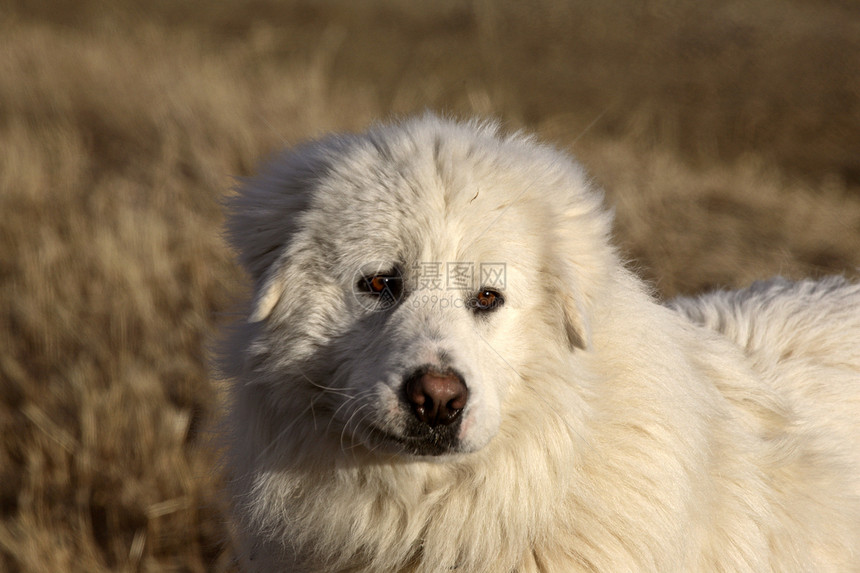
pixel 377 284
pixel 487 300
pixel 387 287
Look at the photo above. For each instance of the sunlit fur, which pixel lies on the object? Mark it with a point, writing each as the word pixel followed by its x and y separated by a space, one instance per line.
pixel 604 431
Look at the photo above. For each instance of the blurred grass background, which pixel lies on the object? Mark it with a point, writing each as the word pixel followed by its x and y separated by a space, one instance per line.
pixel 726 133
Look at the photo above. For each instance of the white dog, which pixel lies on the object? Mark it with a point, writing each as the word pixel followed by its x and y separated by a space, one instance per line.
pixel 447 367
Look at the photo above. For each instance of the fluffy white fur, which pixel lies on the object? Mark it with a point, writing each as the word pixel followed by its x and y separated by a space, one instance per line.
pixel 603 431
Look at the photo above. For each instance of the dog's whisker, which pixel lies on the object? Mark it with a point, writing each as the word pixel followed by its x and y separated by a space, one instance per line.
pixel 358 442
pixel 346 426
pixel 352 399
pixel 330 389
pixel 313 411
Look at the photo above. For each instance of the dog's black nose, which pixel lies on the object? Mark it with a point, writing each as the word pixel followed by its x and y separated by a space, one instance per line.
pixel 436 398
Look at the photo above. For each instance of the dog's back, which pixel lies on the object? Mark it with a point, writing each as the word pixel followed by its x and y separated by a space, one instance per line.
pixel 782 319
pixel 804 338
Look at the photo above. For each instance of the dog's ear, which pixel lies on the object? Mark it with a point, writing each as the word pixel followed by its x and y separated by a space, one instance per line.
pixel 266 214
pixel 269 292
pixel 571 313
pixel 286 283
pixel 585 257
pixel 575 323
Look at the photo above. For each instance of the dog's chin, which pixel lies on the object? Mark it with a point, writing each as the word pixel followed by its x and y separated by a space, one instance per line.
pixel 415 442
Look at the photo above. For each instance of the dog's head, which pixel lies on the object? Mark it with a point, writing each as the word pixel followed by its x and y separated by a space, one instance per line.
pixel 409 279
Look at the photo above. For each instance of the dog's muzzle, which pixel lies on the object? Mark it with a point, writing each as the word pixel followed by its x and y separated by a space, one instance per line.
pixel 435 401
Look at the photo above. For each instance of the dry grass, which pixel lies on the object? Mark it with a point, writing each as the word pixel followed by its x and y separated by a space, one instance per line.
pixel 726 134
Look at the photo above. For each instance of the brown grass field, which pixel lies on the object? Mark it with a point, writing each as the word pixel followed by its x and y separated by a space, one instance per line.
pixel 727 135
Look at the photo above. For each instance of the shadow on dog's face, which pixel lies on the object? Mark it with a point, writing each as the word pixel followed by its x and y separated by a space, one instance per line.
pixel 415 283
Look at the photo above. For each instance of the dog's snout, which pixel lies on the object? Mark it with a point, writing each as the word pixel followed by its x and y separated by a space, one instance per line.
pixel 436 398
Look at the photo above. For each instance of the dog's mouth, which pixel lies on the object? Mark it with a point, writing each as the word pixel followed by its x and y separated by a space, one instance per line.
pixel 417 440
